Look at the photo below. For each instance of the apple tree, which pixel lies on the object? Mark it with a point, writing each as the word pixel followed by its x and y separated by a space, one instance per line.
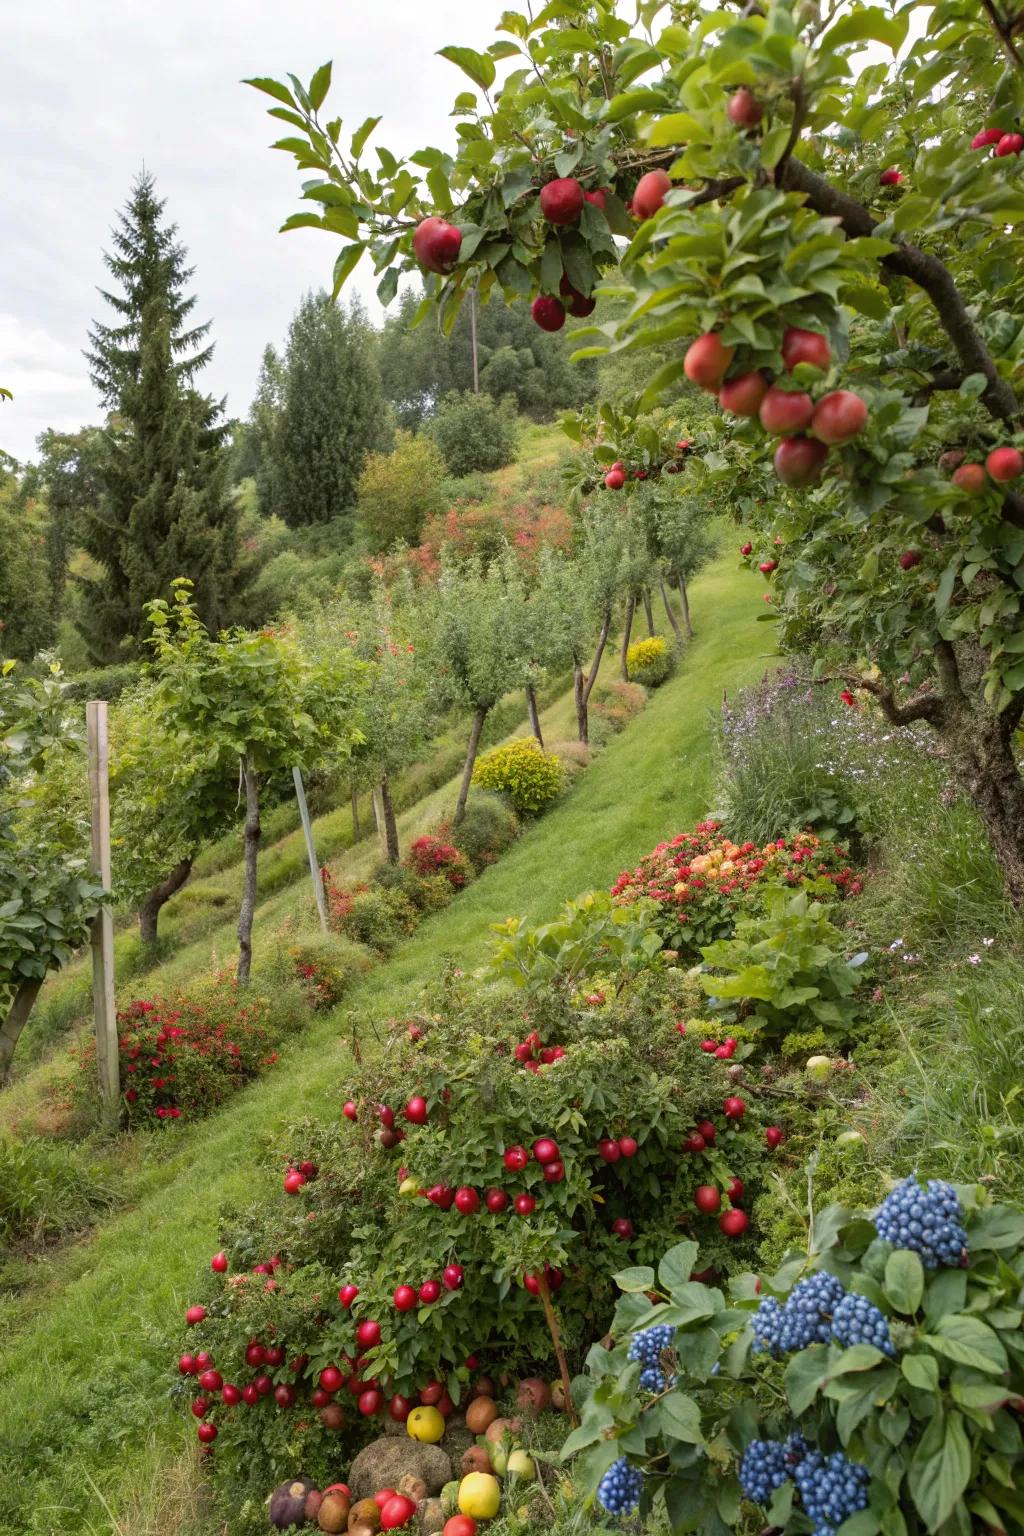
pixel 48 895
pixel 819 206
pixel 248 704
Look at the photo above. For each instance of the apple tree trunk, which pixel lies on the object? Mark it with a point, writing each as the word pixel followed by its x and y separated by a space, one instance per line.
pixel 627 630
pixel 391 849
pixel 534 713
pixel 684 598
pixel 584 687
pixel 356 829
pixel 671 616
pixel 251 845
pixel 479 716
pixel 149 912
pixel 14 1022
pixel 649 611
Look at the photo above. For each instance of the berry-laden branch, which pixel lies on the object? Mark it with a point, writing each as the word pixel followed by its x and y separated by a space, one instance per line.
pixel 921 268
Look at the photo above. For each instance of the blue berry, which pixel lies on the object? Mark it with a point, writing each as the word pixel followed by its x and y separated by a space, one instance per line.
pixel 857 1321
pixel 619 1490
pixel 763 1469
pixel 831 1489
pixel 765 1325
pixel 927 1221
pixel 652 1379
pixel 808 1310
pixel 647 1346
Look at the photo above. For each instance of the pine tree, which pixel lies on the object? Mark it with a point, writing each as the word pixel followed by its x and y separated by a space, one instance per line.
pixel 163 509
pixel 264 419
pixel 332 413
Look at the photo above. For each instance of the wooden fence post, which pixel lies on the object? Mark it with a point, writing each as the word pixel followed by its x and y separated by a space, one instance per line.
pixel 104 1008
pixel 314 863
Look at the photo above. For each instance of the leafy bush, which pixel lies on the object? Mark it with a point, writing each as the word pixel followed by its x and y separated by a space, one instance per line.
pixel 590 937
pixel 473 432
pixel 103 682
pixel 379 917
pixel 324 964
pixel 702 881
pixel 649 662
pixel 618 1070
pixel 784 965
pixel 886 1370
pixel 489 826
pixel 182 1056
pixel 529 776
pixel 398 491
pixel 49 1189
pixel 432 855
pixel 617 703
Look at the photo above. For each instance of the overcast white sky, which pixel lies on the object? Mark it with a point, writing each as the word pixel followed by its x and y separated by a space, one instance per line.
pixel 95 88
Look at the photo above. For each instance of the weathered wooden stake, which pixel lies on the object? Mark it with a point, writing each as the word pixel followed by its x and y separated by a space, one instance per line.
pixel 103 1004
pixel 314 863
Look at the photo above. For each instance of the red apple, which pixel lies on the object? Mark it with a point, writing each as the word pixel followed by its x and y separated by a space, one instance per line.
pixel 734 1108
pixel 554 1172
pixel 545 1150
pixel 986 137
pixel 368 1334
pixel 397 1512
pixel 890 178
pixel 735 1190
pixel 609 1151
pixel 969 478
pixel 399 1408
pixel 766 567
pixel 578 304
pixel 430 1290
pixel 495 1200
pixel 467 1200
pixel 800 460
pixel 207 1433
pixel 742 395
pixel 432 1394
pixel 381 1497
pixel 839 416
pixel 909 558
pixel 774 1135
pixel 350 1109
pixel 386 1116
pixel 370 1402
pixel 1004 464
pixel 255 1354
pixel 284 1395
pixel 597 197
pixel 707 1198
pixel 694 1142
pixel 1010 144
pixel 436 244
pixel 628 1146
pixel 650 194
pixel 516 1158
pixel 416 1110
pixel 734 1223
pixel 452 1276
pixel 524 1205
pixel 250 1395
pixel 274 1355
pixel 805 347
pixel 707 1130
pixel 615 479
pixel 622 1227
pixel 194 1315
pixel 331 1378
pixel 744 110
pixel 561 200
pixel 264 1386
pixel 706 360
pixel 746 549
pixel 219 1263
pixel 200 1407
pixel 548 312
pixel 211 1381
pixel 404 1298
pixel 230 1394
pixel 784 411
pixel 347 1295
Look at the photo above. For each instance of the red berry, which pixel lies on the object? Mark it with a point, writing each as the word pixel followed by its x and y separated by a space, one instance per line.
pixel 523 1052
pixel 204 1360
pixel 416 1110
pixel 207 1433
pixel 774 1136
pixel 628 1146
pixel 516 1158
pixel 195 1315
pixel 293 1181
pixel 200 1407
pixel 800 346
pixel 274 1355
pixel 467 1200
pixel 399 1408
pixel 404 1298
pixel 744 110
pixel 724 1051
pixel 430 1290
pixel 524 1205
pixel 331 1379
pixel 609 1151
pixel 554 1173
pixel 230 1394
pixel 615 479
pixel 545 1150
pixel 350 1109
pixel 734 1108
pixel 309 1168
pixel 255 1354
pixel 211 1381
pixel 368 1334
pixel 452 1276
pixel 969 478
pixel 707 1130
pixel 694 1142
pixel 263 1385
pixel 746 549
pixel 890 178
pixel 219 1263
pixel 371 1402
pixel 431 1394
pixel 347 1295
pixel 597 197
pixel 734 1223
pixel 386 1116
pixel 1010 144
pixel 186 1365
pixel 495 1200
pixel 622 1227
pixel 707 1198
pixel 909 558
pixel 735 1190
pixel 319 1398
pixel 250 1395
pixel 1004 464
pixel 711 1046
pixel 284 1395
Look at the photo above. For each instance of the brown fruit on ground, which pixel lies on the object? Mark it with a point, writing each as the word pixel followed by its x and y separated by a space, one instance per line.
pixel 485 1386
pixel 365 1512
pixel 476 1459
pixel 532 1395
pixel 481 1412
pixel 333 1512
pixel 497 1428
pixel 413 1487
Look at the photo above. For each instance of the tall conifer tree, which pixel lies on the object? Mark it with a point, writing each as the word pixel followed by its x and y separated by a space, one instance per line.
pixel 164 509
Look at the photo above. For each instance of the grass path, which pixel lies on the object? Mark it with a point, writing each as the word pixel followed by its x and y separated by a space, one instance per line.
pixel 85 1424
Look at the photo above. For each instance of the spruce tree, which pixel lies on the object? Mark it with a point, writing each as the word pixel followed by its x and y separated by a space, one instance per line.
pixel 264 419
pixel 164 508
pixel 332 413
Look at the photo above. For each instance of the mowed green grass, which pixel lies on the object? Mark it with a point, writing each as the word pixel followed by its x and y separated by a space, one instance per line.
pixel 85 1421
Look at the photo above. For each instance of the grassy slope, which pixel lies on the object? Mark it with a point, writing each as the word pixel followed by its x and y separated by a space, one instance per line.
pixel 93 1335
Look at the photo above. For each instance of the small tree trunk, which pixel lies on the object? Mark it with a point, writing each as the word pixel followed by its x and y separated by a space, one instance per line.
pixel 531 709
pixel 671 616
pixel 252 844
pixel 551 1319
pixel 390 825
pixel 13 1024
pixel 980 744
pixel 479 716
pixel 149 912
pixel 684 598
pixel 579 698
pixel 582 689
pixel 627 629
pixel 356 829
pixel 649 611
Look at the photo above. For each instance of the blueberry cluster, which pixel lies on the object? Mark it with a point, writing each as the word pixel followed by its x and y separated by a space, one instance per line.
pixel 805 1319
pixel 857 1321
pixel 763 1469
pixel 831 1489
pixel 928 1221
pixel 619 1490
pixel 648 1345
pixel 765 1325
pixel 652 1379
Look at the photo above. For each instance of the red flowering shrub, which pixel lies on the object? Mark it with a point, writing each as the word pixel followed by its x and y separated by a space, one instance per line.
pixel 182 1056
pixel 430 855
pixel 325 965
pixel 702 881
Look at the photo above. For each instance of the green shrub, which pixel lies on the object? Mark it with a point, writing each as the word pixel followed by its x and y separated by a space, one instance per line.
pixel 49 1189
pixel 380 918
pixel 103 682
pixel 473 432
pixel 489 826
pixel 649 662
pixel 529 776
pixel 398 491
pixel 786 967
pixel 617 703
pixel 324 964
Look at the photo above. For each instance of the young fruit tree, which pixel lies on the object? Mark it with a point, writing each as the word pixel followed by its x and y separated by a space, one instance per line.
pixel 252 705
pixel 48 897
pixel 821 210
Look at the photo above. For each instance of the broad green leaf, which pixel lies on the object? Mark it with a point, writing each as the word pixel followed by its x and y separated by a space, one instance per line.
pixel 679 1418
pixel 940 1469
pixel 904 1281
pixel 639 1278
pixel 676 1266
pixel 345 266
pixel 805 1376
pixel 478 66
pixel 320 85
pixel 969 1341
pixel 865 24
pixel 361 135
pixel 922 1371
pixel 272 88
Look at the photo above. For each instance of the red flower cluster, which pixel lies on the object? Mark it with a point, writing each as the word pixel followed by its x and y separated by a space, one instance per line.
pixel 431 855
pixel 702 881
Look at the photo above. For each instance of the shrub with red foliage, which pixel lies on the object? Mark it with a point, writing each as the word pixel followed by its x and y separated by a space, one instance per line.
pixel 703 881
pixel 430 855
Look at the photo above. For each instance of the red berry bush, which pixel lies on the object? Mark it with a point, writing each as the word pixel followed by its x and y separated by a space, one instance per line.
pixel 702 881
pixel 431 855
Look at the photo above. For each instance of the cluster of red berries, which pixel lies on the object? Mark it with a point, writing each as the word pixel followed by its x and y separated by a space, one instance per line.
pixel 617 476
pixel 999 141
pixel 532 1054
